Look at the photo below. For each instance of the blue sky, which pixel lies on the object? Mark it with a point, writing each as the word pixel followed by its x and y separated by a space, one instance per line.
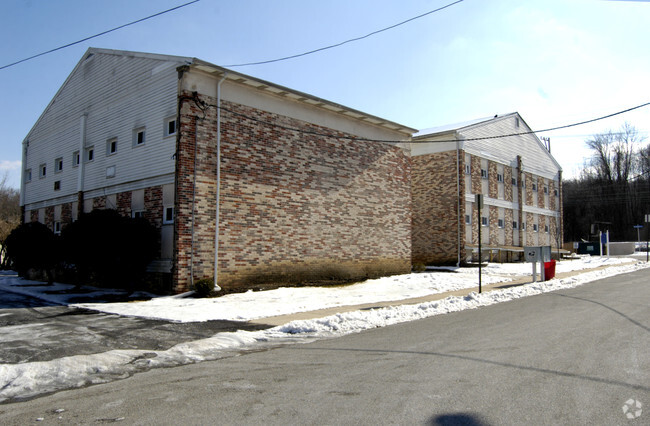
pixel 555 62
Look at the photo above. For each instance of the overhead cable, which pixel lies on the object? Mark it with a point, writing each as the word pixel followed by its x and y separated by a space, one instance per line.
pixel 346 41
pixel 354 138
pixel 99 34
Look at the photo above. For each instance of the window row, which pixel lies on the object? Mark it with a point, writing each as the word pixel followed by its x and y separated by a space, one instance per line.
pixel 139 138
pixel 500 179
pixel 485 221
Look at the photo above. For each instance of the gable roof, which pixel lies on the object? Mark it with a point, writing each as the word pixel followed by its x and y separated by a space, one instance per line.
pixel 497 137
pixel 237 77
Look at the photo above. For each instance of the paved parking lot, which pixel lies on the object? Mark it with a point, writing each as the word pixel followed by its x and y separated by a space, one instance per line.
pixel 33 330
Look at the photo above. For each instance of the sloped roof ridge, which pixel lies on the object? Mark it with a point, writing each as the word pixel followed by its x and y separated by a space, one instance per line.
pixel 459 126
pixel 159 56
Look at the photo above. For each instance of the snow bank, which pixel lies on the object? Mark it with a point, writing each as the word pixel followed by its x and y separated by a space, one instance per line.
pixel 32 379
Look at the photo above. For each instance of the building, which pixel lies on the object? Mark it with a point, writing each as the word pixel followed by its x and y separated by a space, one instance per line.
pixel 264 182
pixel 520 181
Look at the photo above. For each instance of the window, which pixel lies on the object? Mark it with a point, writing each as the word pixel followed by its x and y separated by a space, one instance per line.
pixel 90 154
pixel 57 227
pixel 514 224
pixel 555 192
pixel 170 126
pixel 137 214
pixel 545 189
pixel 546 228
pixel 500 223
pixel 57 185
pixel 28 175
pixel 139 136
pixel 75 159
pixel 514 181
pixel 523 226
pixel 484 221
pixel 484 173
pixel 468 169
pixel 535 227
pixel 534 187
pixel 168 215
pixel 58 165
pixel 468 219
pixel 499 177
pixel 111 146
pixel 42 171
pixel 110 171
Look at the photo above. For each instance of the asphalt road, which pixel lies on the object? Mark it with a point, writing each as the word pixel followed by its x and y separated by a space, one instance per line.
pixel 32 330
pixel 568 357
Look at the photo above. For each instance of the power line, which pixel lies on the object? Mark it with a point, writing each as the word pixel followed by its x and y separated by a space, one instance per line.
pixel 203 106
pixel 99 34
pixel 346 41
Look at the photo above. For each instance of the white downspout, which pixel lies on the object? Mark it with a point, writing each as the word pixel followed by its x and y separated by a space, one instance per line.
pixel 216 223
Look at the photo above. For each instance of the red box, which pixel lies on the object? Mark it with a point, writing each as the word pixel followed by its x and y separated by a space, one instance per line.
pixel 549 270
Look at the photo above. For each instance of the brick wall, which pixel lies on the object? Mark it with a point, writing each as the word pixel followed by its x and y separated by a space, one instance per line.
pixel 295 207
pixel 124 203
pixel 49 217
pixel 435 207
pixel 508 187
pixel 493 184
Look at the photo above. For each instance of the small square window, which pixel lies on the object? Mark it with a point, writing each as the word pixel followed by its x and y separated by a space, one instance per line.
pixel 111 146
pixel 468 169
pixel 484 221
pixel 514 181
pixel 57 227
pixel 546 228
pixel 535 227
pixel 110 171
pixel 57 185
pixel 555 192
pixel 76 158
pixel 58 165
pixel 42 170
pixel 468 219
pixel 484 173
pixel 170 126
pixel 168 216
pixel 514 224
pixel 546 190
pixel 534 187
pixel 139 136
pixel 90 154
pixel 28 175
pixel 137 214
pixel 499 177
pixel 500 223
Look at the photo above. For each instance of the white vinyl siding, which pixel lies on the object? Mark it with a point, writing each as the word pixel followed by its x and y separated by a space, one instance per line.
pixel 534 156
pixel 145 96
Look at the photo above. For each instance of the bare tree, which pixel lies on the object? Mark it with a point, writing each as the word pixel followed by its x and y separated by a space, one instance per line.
pixel 9 212
pixel 612 185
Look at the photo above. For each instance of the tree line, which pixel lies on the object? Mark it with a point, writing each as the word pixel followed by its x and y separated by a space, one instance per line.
pixel 613 190
pixel 9 213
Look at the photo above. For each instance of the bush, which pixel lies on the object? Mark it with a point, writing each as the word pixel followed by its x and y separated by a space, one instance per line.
pixel 33 246
pixel 110 249
pixel 419 267
pixel 204 287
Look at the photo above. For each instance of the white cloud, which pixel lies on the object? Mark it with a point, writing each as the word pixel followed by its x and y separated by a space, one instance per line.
pixel 10 165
